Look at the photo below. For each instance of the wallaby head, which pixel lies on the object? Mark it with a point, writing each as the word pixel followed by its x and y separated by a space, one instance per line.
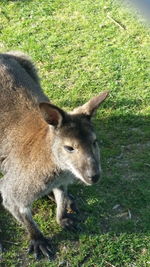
pixel 75 146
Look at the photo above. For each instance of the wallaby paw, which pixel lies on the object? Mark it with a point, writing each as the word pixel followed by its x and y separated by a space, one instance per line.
pixel 40 246
pixel 69 222
pixel 71 205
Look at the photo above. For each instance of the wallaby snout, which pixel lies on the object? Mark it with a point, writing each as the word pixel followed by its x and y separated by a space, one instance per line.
pixel 94 179
pixel 93 173
pixel 93 168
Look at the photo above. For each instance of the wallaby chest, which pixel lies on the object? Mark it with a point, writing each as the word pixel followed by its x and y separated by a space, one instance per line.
pixel 63 179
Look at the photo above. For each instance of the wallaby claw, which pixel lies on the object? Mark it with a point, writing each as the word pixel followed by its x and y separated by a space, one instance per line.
pixel 39 247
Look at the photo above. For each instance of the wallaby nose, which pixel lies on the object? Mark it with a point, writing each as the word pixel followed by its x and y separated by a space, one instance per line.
pixel 94 178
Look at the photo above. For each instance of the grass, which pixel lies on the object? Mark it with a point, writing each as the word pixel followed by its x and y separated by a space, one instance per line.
pixel 80 51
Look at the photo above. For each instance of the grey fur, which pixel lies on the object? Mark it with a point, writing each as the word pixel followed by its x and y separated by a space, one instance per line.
pixel 42 148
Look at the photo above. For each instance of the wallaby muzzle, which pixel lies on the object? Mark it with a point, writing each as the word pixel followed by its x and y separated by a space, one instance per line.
pixel 93 179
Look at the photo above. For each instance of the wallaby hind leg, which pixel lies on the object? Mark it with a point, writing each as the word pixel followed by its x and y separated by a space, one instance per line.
pixel 39 244
pixel 64 203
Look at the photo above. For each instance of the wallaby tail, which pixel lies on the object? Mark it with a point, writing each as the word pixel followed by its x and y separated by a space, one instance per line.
pixel 26 63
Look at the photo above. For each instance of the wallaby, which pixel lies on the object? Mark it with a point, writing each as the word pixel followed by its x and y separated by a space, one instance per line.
pixel 42 147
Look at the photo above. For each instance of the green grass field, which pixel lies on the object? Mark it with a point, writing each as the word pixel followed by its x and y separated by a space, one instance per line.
pixel 82 48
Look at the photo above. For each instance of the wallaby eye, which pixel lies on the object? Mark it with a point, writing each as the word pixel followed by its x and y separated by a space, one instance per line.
pixel 69 148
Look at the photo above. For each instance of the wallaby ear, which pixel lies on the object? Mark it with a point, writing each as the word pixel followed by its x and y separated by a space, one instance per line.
pixel 92 105
pixel 52 114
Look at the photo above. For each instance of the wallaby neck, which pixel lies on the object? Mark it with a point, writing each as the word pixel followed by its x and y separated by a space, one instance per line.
pixel 34 140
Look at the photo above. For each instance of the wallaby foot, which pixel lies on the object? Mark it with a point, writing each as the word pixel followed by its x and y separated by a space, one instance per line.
pixel 66 207
pixel 40 246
